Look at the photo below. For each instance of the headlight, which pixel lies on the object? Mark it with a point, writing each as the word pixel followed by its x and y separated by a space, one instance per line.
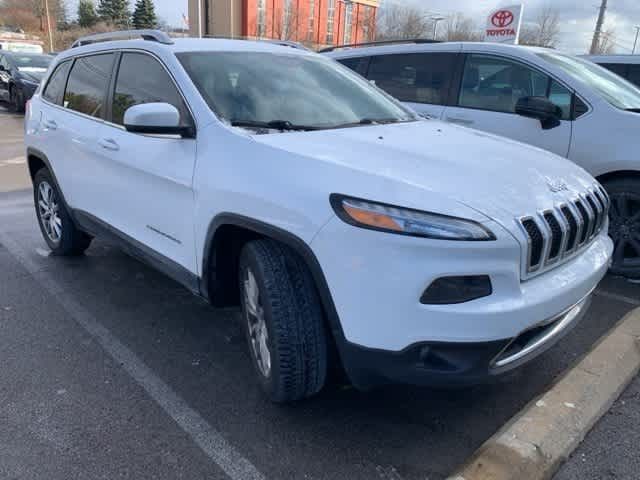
pixel 405 221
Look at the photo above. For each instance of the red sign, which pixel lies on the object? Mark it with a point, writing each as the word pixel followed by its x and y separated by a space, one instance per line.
pixel 502 18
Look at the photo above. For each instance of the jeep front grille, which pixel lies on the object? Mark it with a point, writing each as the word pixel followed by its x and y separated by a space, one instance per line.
pixel 560 232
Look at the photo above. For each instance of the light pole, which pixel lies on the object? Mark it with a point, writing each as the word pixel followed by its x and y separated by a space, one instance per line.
pixel 635 44
pixel 435 21
pixel 46 8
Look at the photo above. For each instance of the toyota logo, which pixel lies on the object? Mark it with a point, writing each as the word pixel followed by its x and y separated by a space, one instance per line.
pixel 502 18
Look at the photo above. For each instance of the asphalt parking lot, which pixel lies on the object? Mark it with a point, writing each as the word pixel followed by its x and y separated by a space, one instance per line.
pixel 110 370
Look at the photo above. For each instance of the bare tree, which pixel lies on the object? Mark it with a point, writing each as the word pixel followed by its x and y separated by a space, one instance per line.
pixel 397 22
pixel 460 28
pixel 545 31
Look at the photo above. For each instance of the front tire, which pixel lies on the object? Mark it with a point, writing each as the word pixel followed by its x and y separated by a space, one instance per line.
pixel 57 227
pixel 624 227
pixel 283 320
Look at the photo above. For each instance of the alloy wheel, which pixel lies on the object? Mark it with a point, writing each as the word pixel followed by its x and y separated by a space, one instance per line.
pixel 49 210
pixel 625 229
pixel 257 325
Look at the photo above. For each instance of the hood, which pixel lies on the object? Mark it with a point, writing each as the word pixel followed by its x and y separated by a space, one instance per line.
pixel 499 178
pixel 32 74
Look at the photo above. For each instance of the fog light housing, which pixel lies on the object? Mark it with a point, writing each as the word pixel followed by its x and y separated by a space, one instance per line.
pixel 453 290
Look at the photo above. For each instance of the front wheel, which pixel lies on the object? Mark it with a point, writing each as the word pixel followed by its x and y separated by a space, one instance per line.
pixel 624 227
pixel 57 227
pixel 283 321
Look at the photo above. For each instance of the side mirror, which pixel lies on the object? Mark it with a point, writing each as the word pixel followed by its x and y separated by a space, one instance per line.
pixel 155 119
pixel 540 108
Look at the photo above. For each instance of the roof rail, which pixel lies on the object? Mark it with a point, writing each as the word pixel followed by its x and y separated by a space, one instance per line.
pixel 274 41
pixel 150 35
pixel 382 42
pixel 285 43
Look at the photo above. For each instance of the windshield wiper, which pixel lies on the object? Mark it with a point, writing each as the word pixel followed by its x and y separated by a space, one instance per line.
pixel 634 110
pixel 283 125
pixel 368 121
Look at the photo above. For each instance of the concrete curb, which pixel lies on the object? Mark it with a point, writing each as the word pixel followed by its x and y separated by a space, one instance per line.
pixel 539 439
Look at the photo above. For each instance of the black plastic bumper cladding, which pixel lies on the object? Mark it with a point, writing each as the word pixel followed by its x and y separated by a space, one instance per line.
pixel 453 290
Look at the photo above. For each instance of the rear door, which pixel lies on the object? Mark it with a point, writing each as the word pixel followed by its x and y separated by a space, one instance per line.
pixel 489 90
pixel 143 184
pixel 421 80
pixel 75 128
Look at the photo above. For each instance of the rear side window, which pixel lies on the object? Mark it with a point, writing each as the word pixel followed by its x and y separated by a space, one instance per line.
pixel 141 79
pixel 634 74
pixel 88 83
pixel 358 64
pixel 617 68
pixel 55 87
pixel 416 77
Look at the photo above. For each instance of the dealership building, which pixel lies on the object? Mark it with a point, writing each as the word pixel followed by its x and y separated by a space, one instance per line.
pixel 315 22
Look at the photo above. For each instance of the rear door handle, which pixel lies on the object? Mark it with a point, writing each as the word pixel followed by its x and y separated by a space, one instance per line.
pixel 460 121
pixel 50 125
pixel 109 144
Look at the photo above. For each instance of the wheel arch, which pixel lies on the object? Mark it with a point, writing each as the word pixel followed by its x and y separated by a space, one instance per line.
pixel 37 160
pixel 226 235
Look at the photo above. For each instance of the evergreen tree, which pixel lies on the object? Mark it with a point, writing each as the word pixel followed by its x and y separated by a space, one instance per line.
pixel 87 16
pixel 114 11
pixel 144 15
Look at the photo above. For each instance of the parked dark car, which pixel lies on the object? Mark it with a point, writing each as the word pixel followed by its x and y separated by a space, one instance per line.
pixel 20 75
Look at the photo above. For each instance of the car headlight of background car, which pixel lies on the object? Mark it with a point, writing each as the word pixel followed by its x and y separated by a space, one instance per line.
pixel 406 221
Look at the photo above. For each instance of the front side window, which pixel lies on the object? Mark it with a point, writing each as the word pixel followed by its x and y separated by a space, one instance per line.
pixel 496 84
pixel 55 87
pixel 141 79
pixel 416 77
pixel 310 92
pixel 87 86
pixel 617 91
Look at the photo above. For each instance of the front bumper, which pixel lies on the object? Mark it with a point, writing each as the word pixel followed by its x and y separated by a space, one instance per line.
pixel 385 334
pixel 457 364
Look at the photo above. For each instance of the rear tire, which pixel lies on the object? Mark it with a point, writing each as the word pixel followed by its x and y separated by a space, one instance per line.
pixel 624 227
pixel 283 321
pixel 57 226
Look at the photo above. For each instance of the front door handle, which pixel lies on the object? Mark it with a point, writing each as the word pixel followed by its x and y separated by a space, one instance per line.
pixel 460 121
pixel 109 144
pixel 50 125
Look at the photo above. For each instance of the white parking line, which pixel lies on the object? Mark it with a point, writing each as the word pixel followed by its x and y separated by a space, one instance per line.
pixel 14 161
pixel 621 298
pixel 210 441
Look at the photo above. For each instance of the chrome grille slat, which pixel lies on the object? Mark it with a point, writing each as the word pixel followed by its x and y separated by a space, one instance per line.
pixel 561 232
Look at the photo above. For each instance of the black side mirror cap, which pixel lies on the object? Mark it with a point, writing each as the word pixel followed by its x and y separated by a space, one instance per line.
pixel 540 108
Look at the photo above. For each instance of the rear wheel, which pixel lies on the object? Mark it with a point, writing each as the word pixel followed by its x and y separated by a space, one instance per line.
pixel 624 227
pixel 283 321
pixel 57 227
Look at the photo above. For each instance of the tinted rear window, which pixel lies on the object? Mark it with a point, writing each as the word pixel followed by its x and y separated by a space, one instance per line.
pixel 87 86
pixel 416 77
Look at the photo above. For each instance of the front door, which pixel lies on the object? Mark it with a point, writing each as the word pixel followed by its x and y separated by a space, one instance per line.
pixel 490 88
pixel 145 182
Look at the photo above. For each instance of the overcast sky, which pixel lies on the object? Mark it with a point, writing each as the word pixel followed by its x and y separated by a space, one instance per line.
pixel 578 17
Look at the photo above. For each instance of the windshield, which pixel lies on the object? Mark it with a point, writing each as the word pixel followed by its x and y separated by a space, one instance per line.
pixel 28 62
pixel 614 89
pixel 288 92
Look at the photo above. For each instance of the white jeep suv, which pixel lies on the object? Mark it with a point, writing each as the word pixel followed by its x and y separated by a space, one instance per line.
pixel 563 104
pixel 273 177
